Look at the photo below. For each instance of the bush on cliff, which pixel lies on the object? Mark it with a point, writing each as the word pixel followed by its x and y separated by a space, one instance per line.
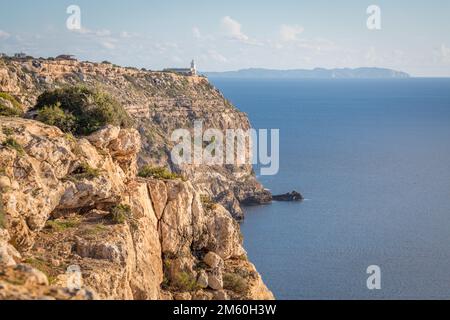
pixel 80 110
pixel 157 173
pixel 235 282
pixel 9 106
pixel 55 116
pixel 120 213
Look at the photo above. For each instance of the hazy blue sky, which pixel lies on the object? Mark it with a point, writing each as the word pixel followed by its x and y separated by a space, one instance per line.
pixel 227 35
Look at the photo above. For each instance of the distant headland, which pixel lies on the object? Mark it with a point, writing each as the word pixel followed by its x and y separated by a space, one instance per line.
pixel 318 73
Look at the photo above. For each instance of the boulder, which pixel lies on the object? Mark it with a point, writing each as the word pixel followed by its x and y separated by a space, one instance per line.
pixel 213 260
pixel 215 280
pixel 202 279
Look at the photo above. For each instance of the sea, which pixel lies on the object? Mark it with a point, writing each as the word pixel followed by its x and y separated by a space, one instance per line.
pixel 372 159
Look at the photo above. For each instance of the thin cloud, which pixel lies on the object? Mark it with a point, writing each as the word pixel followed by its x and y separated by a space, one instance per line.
pixel 444 52
pixel 213 54
pixel 197 34
pixel 4 35
pixel 290 32
pixel 233 29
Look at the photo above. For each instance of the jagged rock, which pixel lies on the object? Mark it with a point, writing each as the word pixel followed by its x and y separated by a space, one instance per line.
pixel 165 295
pixel 202 279
pixel 291 196
pixel 213 260
pixel 229 201
pixel 225 237
pixel 158 192
pixel 202 295
pixel 39 182
pixel 176 102
pixel 220 295
pixel 215 280
pixel 26 283
pixel 182 296
pixel 103 137
pixel 99 250
pixel 8 254
pixel 118 261
pixel 148 271
pixel 258 198
pixel 181 218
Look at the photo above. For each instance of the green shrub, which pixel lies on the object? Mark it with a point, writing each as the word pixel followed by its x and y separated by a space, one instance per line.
pixel 62 225
pixel 13 144
pixel 7 131
pixel 7 111
pixel 84 171
pixel 184 282
pixel 88 109
pixel 207 202
pixel 235 283
pixel 120 213
pixel 55 116
pixel 157 173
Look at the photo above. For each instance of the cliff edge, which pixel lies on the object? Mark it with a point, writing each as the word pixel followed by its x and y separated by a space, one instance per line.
pixel 159 102
pixel 77 221
pixel 76 204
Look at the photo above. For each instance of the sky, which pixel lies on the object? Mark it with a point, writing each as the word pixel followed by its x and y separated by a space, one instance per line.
pixel 414 36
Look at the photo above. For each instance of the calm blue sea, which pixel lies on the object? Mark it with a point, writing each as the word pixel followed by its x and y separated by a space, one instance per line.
pixel 373 159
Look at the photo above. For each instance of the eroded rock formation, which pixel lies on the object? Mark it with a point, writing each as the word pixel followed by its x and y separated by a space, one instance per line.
pixel 76 204
pixel 160 102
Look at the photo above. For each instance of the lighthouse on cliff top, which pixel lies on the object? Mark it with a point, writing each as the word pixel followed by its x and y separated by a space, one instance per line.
pixel 193 68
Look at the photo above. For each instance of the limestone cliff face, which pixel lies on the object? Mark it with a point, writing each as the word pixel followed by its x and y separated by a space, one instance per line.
pixel 71 202
pixel 160 102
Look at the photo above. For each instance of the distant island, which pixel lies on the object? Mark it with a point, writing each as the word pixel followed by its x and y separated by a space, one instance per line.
pixel 318 73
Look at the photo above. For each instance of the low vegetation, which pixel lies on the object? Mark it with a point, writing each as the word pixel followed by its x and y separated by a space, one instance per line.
pixel 62 225
pixel 207 202
pixel 83 172
pixel 12 108
pixel 80 110
pixel 184 282
pixel 95 229
pixel 120 213
pixel 157 173
pixel 7 131
pixel 235 283
pixel 55 116
pixel 11 143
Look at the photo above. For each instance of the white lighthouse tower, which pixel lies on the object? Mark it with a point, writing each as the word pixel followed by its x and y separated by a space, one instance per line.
pixel 193 68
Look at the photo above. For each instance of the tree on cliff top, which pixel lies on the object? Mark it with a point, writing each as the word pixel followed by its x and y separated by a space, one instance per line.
pixel 80 110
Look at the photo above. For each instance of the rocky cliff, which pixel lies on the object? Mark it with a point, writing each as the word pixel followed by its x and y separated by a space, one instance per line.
pixel 159 102
pixel 77 223
pixel 61 203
